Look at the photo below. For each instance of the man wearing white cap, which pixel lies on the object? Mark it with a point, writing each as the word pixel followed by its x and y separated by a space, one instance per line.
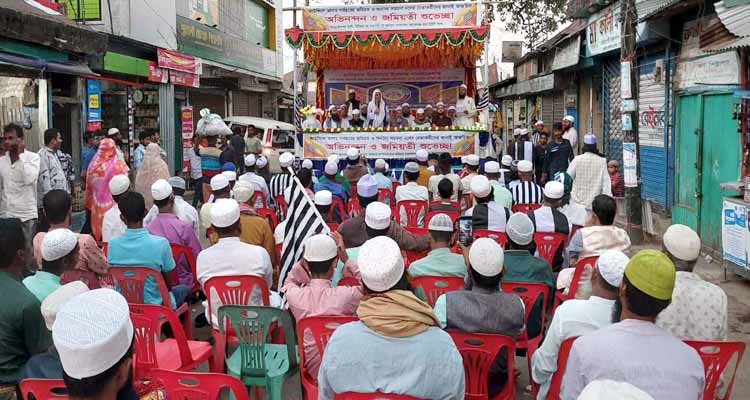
pixel 255 229
pixel 377 110
pixel 558 155
pixel 570 133
pixel 183 209
pixel 309 292
pixel 440 261
pixel 444 169
pixel 526 192
pixel 466 109
pixel 538 128
pixel 440 118
pixel 59 254
pixel 421 121
pixel 486 214
pixel 578 317
pixel 334 119
pixel 344 113
pixel 472 169
pixel 230 256
pixel 112 225
pixel 352 101
pixel 506 172
pixel 589 174
pixel 168 225
pixel 262 169
pixel 93 335
pixel 219 190
pixel 308 164
pixel 377 219
pixel 502 195
pixel 311 121
pixel 410 190
pixel 196 174
pixel 600 234
pixel 424 172
pixel 329 182
pixel 548 218
pixel 395 328
pixel 354 168
pixel 281 181
pixel 522 148
pixel 405 118
pixel 384 182
pixel 698 310
pixel 323 200
pixel 356 120
pixel 254 179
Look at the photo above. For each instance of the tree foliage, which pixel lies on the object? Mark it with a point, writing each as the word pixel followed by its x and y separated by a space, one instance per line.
pixel 535 20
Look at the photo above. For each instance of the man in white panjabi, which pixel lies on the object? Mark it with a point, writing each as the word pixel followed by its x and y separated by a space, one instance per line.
pixel 466 110
pixel 377 110
pixel 589 174
pixel 570 132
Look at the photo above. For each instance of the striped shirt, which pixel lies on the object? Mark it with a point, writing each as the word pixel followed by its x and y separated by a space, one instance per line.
pixel 527 193
pixel 279 183
pixel 490 215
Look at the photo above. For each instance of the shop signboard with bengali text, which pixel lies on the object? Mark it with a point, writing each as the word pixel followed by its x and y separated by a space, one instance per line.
pixel 156 74
pixel 389 145
pixel 174 60
pixel 184 79
pixel 392 16
pixel 93 105
pixel 603 31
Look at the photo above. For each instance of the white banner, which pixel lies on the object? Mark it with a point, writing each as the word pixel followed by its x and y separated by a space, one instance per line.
pixel 394 75
pixel 603 30
pixel 717 69
pixel 385 17
pixel 389 144
pixel 629 165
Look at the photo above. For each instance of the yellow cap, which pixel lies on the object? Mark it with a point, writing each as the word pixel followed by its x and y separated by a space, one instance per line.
pixel 653 273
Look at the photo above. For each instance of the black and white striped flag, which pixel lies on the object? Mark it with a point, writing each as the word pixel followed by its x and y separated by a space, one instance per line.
pixel 302 221
pixel 299 104
pixel 484 100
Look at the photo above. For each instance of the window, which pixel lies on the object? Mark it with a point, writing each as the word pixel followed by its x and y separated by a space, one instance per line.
pixel 83 10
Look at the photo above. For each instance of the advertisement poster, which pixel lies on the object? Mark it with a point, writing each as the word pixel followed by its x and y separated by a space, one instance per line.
pixel 383 17
pixel 734 232
pixel 389 144
pixel 177 61
pixel 186 119
pixel 156 74
pixel 93 105
pixel 629 165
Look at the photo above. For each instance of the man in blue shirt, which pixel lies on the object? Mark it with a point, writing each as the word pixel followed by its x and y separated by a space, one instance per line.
pixel 328 182
pixel 144 139
pixel 137 247
pixel 88 151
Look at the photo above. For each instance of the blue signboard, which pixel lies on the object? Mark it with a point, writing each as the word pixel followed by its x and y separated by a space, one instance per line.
pixel 94 100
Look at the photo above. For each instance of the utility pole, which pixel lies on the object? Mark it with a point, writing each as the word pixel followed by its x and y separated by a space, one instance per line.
pixel 633 208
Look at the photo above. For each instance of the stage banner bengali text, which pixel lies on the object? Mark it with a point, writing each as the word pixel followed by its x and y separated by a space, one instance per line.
pixel 383 17
pixel 389 144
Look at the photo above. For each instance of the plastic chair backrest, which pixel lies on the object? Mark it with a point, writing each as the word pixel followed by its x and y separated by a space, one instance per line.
pixel 412 209
pixel 333 226
pixel 525 207
pixel 89 278
pixel 353 206
pixel 716 357
pixel 321 328
pixel 416 231
pixel 337 204
pixel 394 185
pixel 349 281
pixel 105 248
pixel 580 266
pixel 547 244
pixel 373 396
pixel 234 290
pixel 384 194
pixel 43 389
pixel 252 325
pixel 562 360
pixel 479 351
pixel 198 385
pixel 258 196
pixel 281 205
pixel 500 237
pixel 434 286
pixel 529 292
pixel 132 279
pixel 411 255
pixel 147 324
pixel 454 215
pixel 269 214
pixel 180 250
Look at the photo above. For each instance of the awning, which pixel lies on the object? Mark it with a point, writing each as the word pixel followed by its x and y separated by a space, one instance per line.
pixel 736 19
pixel 36 63
pixel 647 9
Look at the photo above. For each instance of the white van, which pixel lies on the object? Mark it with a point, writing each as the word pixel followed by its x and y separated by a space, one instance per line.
pixel 278 137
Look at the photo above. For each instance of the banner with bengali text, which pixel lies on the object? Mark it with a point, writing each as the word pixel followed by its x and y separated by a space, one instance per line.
pixel 389 144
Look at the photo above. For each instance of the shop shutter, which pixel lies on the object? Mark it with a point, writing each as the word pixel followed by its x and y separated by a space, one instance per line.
pixel 199 101
pixel 559 104
pixel 652 119
pixel 255 102
pixel 611 106
pixel 240 103
pixel 547 111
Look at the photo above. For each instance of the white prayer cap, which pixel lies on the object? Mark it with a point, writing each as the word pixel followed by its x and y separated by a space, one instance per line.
pixel 57 299
pixel 177 183
pixel 250 160
pixel 219 182
pixel 486 257
pixel 334 158
pixel 119 184
pixel 611 265
pixel 480 186
pixel 682 242
pixel 612 390
pixel 161 189
pixel 427 107
pixel 113 131
pixel 452 108
pixel 331 107
pixel 420 110
pixel 378 216
pixel 355 112
pixel 517 132
pixel 520 229
pixel 92 332
pixel 525 166
pixel 367 186
pixel 569 118
pixel 463 159
pixel 523 132
pixel 307 164
pixel 589 138
pixel 331 168
pixel 261 162
pixel 224 212
pixel 243 191
pixel 506 160
pixel 352 153
pixel 492 167
pixel 380 163
pixel 286 160
pixel 554 190
pixel 439 104
pixel 463 86
pixel 411 167
pixel 422 155
pixel 398 108
pixel 352 91
pixel 440 223
pixel 540 122
pixel 58 243
pixel 405 105
pixel 230 175
pixel 380 263
pixel 320 247
pixel 472 159
pixel 323 198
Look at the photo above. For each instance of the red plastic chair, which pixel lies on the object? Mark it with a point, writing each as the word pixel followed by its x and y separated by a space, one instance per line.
pixel 412 209
pixel 454 215
pixel 580 266
pixel 131 281
pixel 353 207
pixel 434 286
pixel 410 256
pixel 386 194
pixel 281 205
pixel 197 385
pixel 89 278
pixel 258 196
pixel 105 248
pixel 394 185
pixel 174 354
pixel 43 389
pixel 547 244
pixel 479 351
pixel 337 204
pixel 373 396
pixel 525 207
pixel 500 237
pixel 321 328
pixel 529 292
pixel 269 214
pixel 562 360
pixel 333 226
pixel 349 281
pixel 716 357
pixel 179 250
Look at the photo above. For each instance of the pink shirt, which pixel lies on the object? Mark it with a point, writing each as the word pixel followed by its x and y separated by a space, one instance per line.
pixel 90 256
pixel 313 297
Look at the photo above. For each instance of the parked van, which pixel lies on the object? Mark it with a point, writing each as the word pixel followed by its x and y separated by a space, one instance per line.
pixel 277 137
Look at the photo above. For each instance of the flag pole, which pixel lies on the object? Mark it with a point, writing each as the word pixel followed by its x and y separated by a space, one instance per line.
pixel 307 198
